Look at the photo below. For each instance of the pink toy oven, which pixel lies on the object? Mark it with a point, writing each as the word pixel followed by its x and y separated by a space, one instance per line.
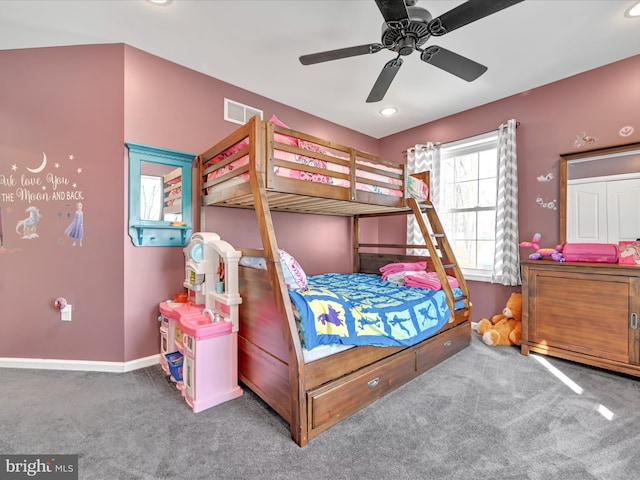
pixel 210 369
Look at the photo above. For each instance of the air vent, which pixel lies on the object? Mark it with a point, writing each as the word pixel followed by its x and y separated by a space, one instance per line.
pixel 238 113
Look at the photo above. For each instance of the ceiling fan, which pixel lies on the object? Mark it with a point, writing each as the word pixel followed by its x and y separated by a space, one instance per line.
pixel 406 29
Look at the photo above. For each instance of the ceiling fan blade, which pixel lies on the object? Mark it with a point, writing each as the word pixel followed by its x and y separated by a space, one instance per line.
pixel 394 13
pixel 467 13
pixel 340 53
pixel 453 63
pixel 384 80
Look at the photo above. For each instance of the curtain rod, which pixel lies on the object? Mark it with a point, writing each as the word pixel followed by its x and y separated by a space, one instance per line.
pixel 404 152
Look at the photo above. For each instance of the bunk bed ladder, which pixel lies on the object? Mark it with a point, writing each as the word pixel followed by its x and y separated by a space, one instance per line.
pixel 440 251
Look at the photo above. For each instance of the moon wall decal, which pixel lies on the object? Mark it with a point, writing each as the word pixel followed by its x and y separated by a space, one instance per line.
pixel 42 165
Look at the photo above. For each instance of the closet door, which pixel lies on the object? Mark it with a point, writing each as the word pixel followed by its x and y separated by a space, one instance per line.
pixel 587 213
pixel 623 210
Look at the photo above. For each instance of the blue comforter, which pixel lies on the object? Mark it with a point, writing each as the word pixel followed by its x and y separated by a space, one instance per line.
pixel 363 309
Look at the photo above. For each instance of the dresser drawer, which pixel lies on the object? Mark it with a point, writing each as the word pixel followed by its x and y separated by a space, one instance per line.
pixel 442 346
pixel 332 403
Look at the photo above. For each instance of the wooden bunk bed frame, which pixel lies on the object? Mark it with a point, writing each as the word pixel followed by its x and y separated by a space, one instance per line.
pixel 313 397
pixel 172 193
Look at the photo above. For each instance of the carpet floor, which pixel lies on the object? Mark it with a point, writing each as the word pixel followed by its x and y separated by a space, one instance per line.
pixel 486 413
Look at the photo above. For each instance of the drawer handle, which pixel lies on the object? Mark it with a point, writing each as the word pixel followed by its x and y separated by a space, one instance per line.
pixel 634 320
pixel 447 344
pixel 373 383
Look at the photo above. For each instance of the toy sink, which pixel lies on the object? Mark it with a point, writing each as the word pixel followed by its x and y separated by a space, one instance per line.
pixel 201 326
pixel 176 310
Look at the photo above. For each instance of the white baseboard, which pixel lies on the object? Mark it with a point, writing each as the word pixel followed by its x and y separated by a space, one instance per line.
pixel 79 365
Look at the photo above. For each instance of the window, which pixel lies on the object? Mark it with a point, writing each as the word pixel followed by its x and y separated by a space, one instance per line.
pixel 467 201
pixel 150 197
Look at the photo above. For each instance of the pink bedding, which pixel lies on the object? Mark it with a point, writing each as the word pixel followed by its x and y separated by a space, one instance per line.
pixel 176 183
pixel 417 188
pixel 413 274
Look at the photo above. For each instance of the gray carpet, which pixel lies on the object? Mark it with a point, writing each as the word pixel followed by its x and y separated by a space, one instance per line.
pixel 487 413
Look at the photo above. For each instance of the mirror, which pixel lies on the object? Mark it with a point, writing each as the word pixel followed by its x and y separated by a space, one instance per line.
pixel 156 203
pixel 599 195
pixel 160 186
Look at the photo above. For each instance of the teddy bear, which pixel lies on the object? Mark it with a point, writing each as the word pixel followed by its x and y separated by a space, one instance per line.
pixel 504 328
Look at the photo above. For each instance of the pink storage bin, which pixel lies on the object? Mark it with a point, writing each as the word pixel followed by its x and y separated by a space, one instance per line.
pixel 590 252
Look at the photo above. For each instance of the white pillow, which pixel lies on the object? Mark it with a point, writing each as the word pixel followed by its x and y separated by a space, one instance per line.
pixel 294 275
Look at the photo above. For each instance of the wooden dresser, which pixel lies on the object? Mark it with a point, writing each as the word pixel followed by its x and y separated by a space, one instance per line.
pixel 585 312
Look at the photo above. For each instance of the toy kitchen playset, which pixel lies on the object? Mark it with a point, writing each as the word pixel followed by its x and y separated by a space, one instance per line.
pixel 199 329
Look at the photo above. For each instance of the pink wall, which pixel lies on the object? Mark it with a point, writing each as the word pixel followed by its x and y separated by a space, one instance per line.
pixel 67 104
pixel 597 103
pixel 87 101
pixel 320 243
pixel 176 108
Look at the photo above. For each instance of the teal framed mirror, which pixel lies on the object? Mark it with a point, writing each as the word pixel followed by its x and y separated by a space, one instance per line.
pixel 160 188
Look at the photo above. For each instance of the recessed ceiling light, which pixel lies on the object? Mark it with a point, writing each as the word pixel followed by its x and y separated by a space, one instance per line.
pixel 160 2
pixel 388 111
pixel 633 11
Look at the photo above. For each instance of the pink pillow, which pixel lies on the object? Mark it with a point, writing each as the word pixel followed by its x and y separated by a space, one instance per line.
pixel 294 275
pixel 312 147
pixel 231 150
pixel 278 137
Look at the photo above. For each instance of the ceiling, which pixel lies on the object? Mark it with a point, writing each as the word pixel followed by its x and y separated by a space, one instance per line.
pixel 255 44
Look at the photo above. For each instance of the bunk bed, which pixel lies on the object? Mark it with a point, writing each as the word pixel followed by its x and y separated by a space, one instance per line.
pixel 172 194
pixel 266 167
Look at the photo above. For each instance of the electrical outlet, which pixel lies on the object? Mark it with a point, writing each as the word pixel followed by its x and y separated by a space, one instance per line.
pixel 65 314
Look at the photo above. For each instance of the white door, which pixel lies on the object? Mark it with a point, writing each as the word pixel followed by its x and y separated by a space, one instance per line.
pixel 587 212
pixel 623 210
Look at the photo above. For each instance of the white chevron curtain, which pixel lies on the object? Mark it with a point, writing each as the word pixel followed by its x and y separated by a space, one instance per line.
pixel 420 159
pixel 506 265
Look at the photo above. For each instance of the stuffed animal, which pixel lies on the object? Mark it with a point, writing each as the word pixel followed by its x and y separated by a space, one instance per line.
pixel 553 253
pixel 504 328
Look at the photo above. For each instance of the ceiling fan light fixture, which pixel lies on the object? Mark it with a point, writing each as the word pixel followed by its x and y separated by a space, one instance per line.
pixel 388 111
pixel 633 11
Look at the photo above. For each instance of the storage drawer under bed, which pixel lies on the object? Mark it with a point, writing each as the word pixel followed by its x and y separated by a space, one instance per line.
pixel 337 400
pixel 439 348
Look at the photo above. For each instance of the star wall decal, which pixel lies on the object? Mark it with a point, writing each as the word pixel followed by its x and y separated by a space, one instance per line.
pixel 79 170
pixel 71 157
pixel 14 167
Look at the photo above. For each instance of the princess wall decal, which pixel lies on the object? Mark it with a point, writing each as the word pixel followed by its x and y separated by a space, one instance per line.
pixel 75 230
